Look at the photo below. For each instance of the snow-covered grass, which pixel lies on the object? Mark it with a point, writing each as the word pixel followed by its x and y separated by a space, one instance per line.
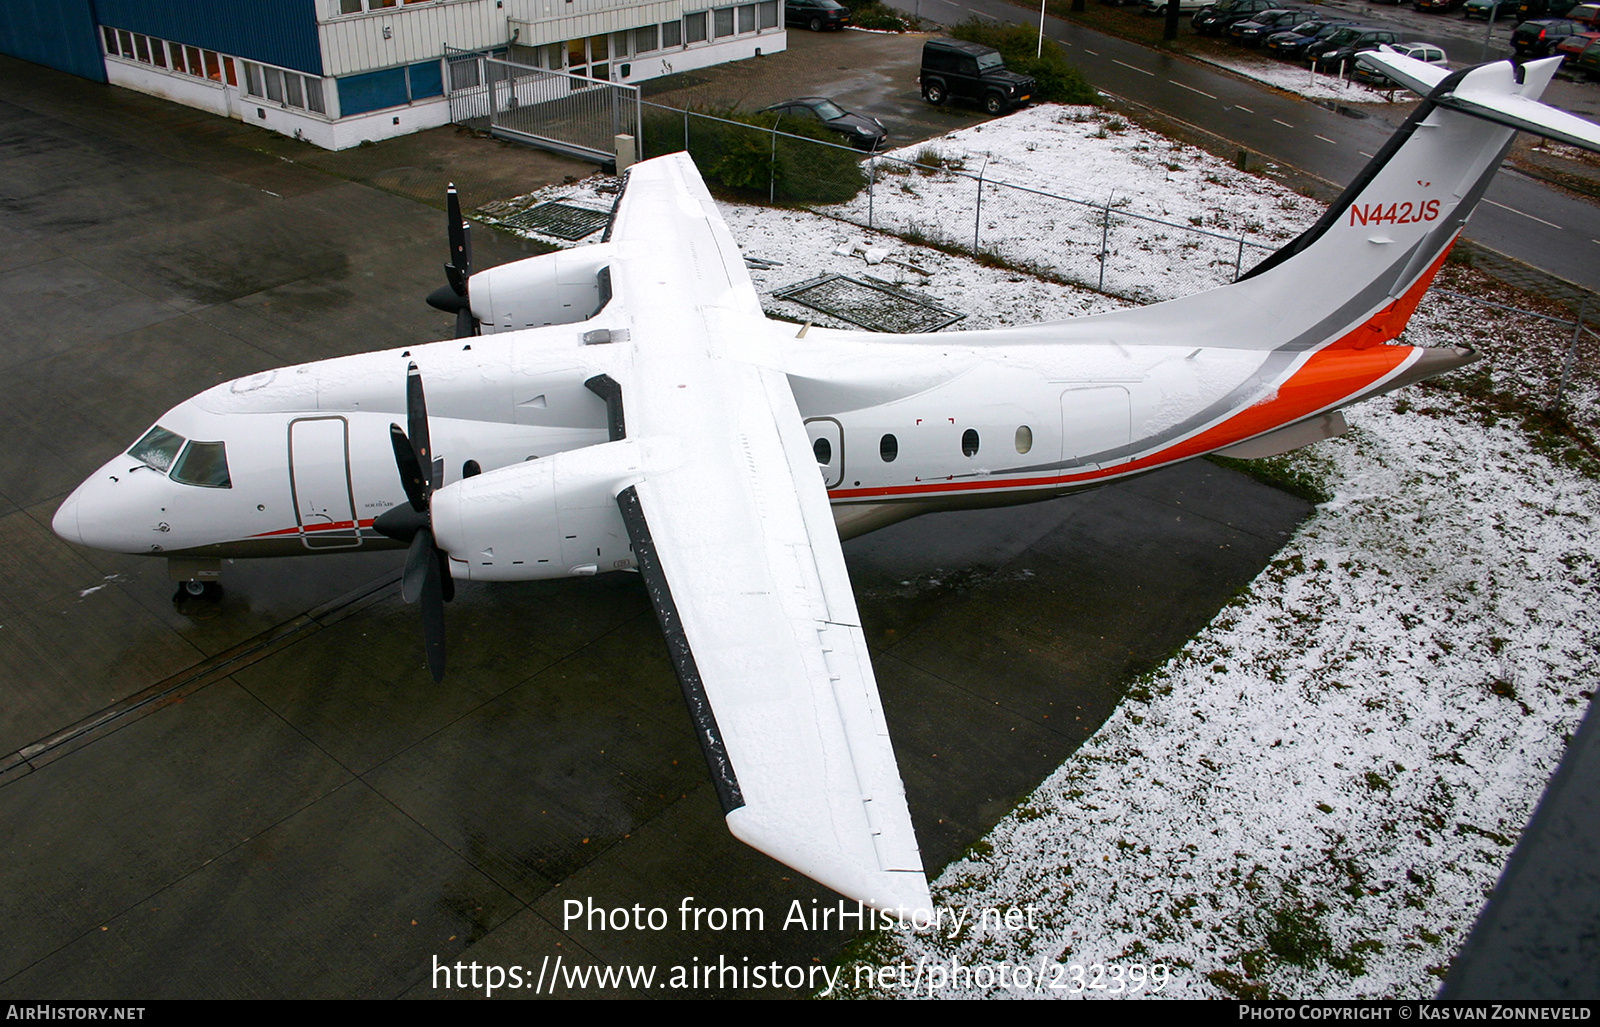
pixel 1313 797
pixel 1297 78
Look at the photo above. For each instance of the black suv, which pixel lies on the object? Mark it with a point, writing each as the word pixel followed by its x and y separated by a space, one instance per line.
pixel 1216 19
pixel 954 68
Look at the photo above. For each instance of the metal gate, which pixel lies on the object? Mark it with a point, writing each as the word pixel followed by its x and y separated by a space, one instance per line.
pixel 569 114
pixel 467 87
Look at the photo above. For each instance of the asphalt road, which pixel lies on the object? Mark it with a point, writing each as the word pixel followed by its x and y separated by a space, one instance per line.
pixel 1520 217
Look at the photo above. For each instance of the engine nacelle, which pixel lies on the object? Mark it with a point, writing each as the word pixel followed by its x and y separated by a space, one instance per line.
pixel 552 289
pixel 548 518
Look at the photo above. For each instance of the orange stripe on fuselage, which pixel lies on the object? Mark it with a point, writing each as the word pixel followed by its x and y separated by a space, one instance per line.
pixel 1336 373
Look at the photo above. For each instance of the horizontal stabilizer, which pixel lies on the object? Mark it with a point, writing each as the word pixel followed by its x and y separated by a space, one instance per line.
pixel 1501 92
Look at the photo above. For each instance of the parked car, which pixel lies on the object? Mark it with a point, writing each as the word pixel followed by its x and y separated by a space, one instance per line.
pixel 1290 45
pixel 1160 6
pixel 860 131
pixel 1215 19
pixel 956 69
pixel 1428 53
pixel 1437 6
pixel 816 15
pixel 1484 8
pixel 1346 43
pixel 1587 14
pixel 1575 44
pixel 1538 38
pixel 1254 30
pixel 1528 9
pixel 1588 62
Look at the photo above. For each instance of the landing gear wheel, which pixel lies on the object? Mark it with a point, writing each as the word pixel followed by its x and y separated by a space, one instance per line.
pixel 993 103
pixel 815 24
pixel 204 591
pixel 934 93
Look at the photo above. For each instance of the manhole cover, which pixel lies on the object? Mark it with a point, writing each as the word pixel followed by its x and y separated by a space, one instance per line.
pixel 875 305
pixel 562 220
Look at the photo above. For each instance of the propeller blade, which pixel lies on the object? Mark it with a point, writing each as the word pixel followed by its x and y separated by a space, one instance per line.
pixel 420 562
pixel 447 583
pixel 466 324
pixel 405 459
pixel 433 619
pixel 417 431
pixel 460 240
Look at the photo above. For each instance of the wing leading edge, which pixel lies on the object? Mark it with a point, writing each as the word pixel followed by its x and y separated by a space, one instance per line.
pixel 731 525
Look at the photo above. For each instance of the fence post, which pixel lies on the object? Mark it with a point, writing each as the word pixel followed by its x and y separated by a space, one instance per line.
pixel 977 217
pixel 685 131
pixel 872 181
pixel 1238 261
pixel 1566 365
pixel 772 166
pixel 1105 237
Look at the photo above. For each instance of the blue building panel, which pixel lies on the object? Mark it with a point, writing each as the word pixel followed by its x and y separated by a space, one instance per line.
pixel 281 32
pixel 427 79
pixel 372 91
pixel 59 34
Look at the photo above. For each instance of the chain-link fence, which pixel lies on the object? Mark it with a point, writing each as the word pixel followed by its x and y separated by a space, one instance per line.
pixel 1094 243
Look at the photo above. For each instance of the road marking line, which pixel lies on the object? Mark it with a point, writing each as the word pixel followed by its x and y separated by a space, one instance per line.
pixel 1242 107
pixel 1095 52
pixel 1514 210
pixel 1365 154
pixel 980 14
pixel 1132 68
pixel 1323 138
pixel 1192 89
pixel 1285 124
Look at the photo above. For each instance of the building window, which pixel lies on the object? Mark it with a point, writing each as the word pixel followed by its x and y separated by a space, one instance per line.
pixel 723 21
pixel 694 27
pixel 159 53
pixel 285 87
pixel 646 39
pixel 747 18
pixel 671 34
pixel 768 12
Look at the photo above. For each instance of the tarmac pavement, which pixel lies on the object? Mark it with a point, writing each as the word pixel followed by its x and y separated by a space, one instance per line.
pixel 269 797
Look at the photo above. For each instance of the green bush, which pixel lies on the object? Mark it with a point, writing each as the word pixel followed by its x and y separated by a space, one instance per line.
pixel 1059 80
pixel 873 14
pixel 738 158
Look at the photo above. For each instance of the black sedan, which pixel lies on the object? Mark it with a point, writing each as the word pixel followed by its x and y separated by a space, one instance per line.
pixel 862 132
pixel 816 15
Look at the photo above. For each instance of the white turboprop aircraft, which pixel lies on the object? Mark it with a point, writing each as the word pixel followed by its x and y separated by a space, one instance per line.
pixel 635 410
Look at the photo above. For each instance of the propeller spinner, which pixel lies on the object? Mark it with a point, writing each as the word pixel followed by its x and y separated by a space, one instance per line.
pixel 427 575
pixel 453 298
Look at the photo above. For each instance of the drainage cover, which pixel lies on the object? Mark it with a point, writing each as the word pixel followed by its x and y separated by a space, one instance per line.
pixel 562 220
pixel 872 304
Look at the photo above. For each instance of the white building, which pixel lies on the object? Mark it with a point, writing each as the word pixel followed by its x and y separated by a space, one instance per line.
pixel 339 72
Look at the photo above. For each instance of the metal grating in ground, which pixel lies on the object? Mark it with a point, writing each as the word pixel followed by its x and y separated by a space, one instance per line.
pixel 562 220
pixel 872 304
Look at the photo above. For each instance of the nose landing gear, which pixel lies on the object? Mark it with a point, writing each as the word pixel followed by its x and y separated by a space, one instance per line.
pixel 198 591
pixel 197 580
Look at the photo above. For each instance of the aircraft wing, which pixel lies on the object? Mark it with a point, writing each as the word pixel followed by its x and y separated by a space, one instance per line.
pixel 735 538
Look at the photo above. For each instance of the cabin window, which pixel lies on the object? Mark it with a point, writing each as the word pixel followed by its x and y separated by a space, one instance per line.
pixel 157 449
pixel 969 442
pixel 888 448
pixel 1024 439
pixel 203 463
pixel 824 451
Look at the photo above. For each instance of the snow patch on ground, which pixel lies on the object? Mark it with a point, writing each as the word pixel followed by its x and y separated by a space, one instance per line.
pixel 1313 797
pixel 1297 78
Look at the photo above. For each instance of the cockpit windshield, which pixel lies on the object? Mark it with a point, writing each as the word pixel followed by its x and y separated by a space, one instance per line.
pixel 203 463
pixel 157 449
